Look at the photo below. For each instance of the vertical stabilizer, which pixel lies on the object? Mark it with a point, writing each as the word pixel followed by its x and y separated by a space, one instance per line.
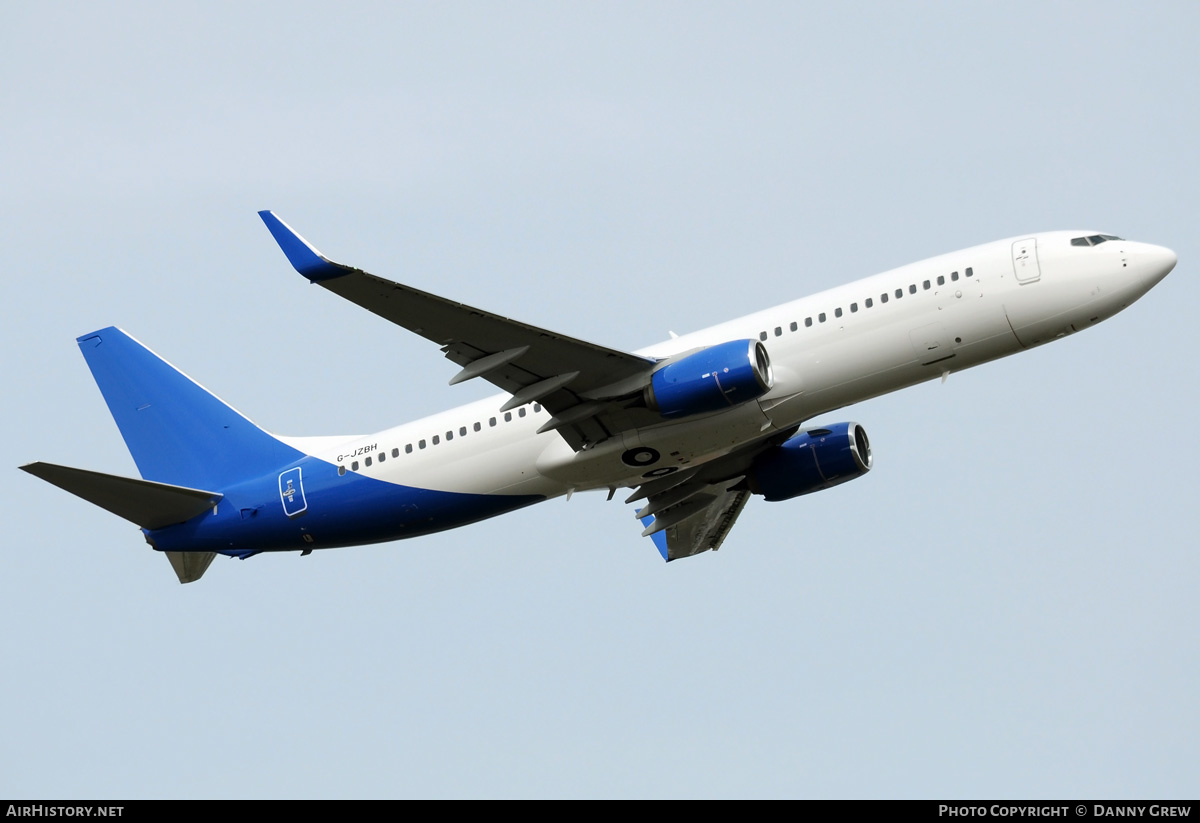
pixel 177 431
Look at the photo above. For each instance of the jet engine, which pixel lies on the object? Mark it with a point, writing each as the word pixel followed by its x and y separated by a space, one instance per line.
pixel 811 461
pixel 715 378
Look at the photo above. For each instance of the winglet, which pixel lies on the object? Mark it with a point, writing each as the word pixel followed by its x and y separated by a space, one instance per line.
pixel 300 253
pixel 659 538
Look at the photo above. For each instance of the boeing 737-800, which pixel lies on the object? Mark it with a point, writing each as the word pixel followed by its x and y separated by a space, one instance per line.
pixel 694 425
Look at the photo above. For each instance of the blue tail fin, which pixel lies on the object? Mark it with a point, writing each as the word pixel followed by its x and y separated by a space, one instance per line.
pixel 177 431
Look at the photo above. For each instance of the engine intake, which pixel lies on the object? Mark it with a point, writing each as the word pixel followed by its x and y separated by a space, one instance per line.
pixel 711 379
pixel 811 461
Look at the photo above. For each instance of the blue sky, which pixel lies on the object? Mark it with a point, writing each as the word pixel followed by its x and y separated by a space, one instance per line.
pixel 1006 606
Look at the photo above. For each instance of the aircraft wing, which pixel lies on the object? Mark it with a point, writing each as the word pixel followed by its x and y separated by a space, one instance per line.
pixel 692 510
pixel 592 392
pixel 705 522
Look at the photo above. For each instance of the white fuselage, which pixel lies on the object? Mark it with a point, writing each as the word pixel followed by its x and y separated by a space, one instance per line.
pixel 828 350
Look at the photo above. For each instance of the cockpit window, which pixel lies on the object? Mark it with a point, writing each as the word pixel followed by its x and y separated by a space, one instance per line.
pixel 1093 240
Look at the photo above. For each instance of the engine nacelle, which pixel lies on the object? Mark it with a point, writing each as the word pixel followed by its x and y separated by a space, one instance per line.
pixel 714 378
pixel 811 461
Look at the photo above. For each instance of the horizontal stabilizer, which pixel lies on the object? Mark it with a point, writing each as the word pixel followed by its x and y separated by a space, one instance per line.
pixel 190 566
pixel 148 504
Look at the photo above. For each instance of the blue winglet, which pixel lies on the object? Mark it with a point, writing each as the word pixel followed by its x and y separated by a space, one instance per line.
pixel 300 253
pixel 659 538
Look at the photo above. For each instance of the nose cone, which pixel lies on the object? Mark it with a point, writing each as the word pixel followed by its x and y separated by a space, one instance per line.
pixel 1155 262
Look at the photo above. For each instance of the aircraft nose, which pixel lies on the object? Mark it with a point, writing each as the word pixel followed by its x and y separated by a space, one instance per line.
pixel 1156 262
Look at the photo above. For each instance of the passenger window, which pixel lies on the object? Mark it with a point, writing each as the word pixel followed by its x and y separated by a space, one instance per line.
pixel 970 271
pixel 793 327
pixel 521 412
pixel 462 431
pixel 341 470
pixel 821 317
pixel 354 466
pixel 853 308
pixel 779 331
pixel 436 440
pixel 408 448
pixel 382 457
pixel 953 275
pixel 367 461
pixel 537 408
pixel 508 417
pixel 420 444
pixel 762 335
pixel 449 435
pixel 807 322
pixel 912 288
pixel 869 302
pixel 899 293
pixel 925 285
pixel 837 312
pixel 941 279
pixel 491 421
pixel 883 298
pixel 395 452
pixel 478 427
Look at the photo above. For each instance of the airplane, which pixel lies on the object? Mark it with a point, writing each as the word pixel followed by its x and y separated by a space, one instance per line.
pixel 694 425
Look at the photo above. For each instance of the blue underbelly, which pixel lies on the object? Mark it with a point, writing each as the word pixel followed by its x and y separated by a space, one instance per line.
pixel 308 505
